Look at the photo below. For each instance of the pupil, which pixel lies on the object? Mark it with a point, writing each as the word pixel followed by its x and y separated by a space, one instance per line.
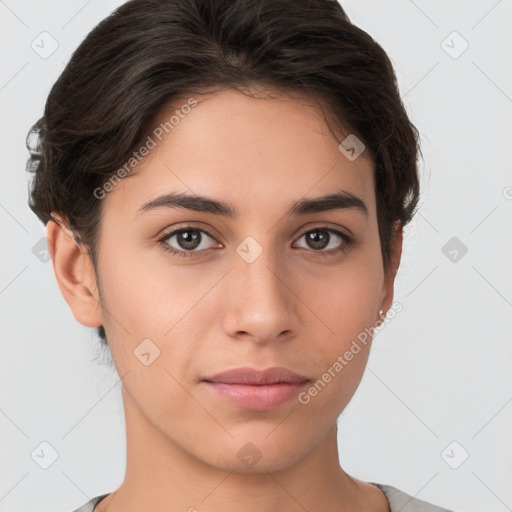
pixel 318 239
pixel 188 241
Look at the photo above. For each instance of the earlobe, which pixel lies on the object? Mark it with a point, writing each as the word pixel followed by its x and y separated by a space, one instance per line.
pixel 74 273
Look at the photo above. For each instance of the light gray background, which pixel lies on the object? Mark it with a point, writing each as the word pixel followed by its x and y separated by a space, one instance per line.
pixel 439 372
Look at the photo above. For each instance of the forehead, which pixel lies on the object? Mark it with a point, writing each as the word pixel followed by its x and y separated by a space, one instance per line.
pixel 255 152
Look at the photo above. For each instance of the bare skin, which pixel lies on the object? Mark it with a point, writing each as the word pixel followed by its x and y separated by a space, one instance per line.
pixel 292 306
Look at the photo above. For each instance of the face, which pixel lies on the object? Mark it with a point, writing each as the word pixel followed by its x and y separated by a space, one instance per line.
pixel 260 288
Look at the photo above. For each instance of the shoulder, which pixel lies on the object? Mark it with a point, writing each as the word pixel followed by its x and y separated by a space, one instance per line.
pixel 401 501
pixel 89 506
pixel 398 501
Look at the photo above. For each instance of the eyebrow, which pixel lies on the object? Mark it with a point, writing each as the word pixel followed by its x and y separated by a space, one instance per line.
pixel 340 200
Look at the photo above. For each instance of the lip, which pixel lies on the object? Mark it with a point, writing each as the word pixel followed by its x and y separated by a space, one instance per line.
pixel 254 389
pixel 253 376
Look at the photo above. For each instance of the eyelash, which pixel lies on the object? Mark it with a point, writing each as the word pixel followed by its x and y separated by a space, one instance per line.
pixel 347 242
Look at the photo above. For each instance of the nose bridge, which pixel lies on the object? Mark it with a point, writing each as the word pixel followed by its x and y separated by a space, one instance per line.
pixel 258 267
pixel 259 299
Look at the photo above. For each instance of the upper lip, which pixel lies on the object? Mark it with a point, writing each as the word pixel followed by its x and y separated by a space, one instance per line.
pixel 253 376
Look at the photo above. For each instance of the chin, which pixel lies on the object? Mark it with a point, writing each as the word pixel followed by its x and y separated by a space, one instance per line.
pixel 255 454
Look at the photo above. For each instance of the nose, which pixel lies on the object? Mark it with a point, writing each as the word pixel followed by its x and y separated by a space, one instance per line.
pixel 260 303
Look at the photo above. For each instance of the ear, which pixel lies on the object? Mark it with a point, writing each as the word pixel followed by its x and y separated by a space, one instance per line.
pixel 386 298
pixel 74 272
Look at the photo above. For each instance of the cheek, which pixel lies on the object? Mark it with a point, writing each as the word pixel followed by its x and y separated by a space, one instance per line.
pixel 339 356
pixel 345 308
pixel 149 329
pixel 146 299
pixel 344 299
pixel 168 305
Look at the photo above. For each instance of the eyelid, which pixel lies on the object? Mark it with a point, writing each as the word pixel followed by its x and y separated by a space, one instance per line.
pixel 327 226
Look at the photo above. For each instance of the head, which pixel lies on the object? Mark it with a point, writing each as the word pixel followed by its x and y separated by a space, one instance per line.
pixel 262 108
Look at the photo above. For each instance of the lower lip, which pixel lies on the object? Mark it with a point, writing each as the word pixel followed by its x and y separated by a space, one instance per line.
pixel 259 398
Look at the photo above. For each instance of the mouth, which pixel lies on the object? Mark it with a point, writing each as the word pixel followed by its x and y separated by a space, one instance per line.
pixel 259 390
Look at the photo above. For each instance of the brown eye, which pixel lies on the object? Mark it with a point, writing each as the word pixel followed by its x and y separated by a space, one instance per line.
pixel 188 241
pixel 326 240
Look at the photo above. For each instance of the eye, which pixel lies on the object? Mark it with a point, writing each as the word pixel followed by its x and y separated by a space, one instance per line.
pixel 190 241
pixel 322 237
